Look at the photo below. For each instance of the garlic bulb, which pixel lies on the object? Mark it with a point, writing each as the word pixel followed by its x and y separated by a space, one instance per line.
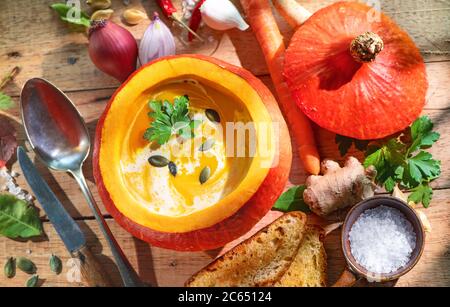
pixel 222 15
pixel 157 42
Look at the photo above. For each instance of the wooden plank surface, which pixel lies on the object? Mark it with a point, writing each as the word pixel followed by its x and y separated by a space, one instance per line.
pixel 57 52
pixel 34 38
pixel 170 268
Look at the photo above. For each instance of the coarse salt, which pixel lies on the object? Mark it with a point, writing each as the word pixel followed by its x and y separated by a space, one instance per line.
pixel 382 240
pixel 8 184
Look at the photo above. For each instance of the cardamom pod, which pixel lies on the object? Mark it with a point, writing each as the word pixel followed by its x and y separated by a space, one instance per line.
pixel 102 14
pixel 32 281
pixel 99 4
pixel 26 265
pixel 133 16
pixel 10 268
pixel 55 264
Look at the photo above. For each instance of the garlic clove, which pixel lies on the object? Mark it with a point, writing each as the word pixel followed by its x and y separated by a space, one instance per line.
pixel 157 42
pixel 133 16
pixel 102 14
pixel 222 15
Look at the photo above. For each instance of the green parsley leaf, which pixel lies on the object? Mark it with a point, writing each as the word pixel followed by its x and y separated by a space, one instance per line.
pixel 6 102
pixel 170 119
pixel 71 14
pixel 397 162
pixel 292 200
pixel 387 160
pixel 423 167
pixel 422 134
pixel 421 194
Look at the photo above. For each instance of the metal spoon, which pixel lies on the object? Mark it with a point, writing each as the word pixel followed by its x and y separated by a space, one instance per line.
pixel 59 136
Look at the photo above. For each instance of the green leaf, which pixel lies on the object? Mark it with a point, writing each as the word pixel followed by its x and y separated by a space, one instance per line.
pixel 170 119
pixel 422 134
pixel 71 14
pixel 18 219
pixel 180 125
pixel 292 200
pixel 376 159
pixel 6 102
pixel 421 194
pixel 423 167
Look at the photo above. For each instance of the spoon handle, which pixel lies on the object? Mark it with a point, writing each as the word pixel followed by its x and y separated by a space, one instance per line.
pixel 128 274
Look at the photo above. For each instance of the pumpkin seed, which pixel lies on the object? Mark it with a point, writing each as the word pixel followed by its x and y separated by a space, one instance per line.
pixel 99 4
pixel 55 264
pixel 26 265
pixel 173 168
pixel 205 174
pixel 207 145
pixel 32 281
pixel 158 161
pixel 10 268
pixel 212 115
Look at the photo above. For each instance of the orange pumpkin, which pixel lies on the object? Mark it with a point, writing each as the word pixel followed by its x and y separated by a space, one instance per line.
pixel 119 133
pixel 353 71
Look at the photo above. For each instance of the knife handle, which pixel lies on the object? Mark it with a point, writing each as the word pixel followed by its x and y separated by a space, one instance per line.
pixel 91 270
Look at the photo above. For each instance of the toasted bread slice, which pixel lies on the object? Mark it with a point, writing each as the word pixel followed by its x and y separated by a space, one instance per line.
pixel 309 268
pixel 259 261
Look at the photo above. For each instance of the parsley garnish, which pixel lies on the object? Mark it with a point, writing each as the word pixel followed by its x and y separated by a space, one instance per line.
pixel 170 119
pixel 406 162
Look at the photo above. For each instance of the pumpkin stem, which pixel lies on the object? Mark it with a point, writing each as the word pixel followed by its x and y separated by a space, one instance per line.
pixel 365 47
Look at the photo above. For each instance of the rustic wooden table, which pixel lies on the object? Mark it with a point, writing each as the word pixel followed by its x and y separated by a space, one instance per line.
pixel 34 38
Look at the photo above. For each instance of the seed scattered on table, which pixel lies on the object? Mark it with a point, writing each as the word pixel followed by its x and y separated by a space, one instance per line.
pixel 26 265
pixel 10 268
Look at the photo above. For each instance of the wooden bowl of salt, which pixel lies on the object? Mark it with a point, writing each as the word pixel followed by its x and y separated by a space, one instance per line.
pixel 382 239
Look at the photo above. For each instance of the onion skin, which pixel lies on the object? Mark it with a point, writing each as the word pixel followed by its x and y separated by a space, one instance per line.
pixel 112 49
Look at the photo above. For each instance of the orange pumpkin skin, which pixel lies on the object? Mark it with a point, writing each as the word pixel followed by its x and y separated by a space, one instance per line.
pixel 246 217
pixel 363 101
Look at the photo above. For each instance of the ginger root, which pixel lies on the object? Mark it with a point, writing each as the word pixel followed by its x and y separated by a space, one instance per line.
pixel 339 187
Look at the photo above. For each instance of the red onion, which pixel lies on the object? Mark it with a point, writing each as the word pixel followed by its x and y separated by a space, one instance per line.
pixel 112 49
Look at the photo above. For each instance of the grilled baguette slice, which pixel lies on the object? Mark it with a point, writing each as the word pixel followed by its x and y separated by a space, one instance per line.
pixel 261 260
pixel 309 268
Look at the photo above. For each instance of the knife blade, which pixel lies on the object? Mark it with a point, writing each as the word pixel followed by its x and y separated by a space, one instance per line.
pixel 64 224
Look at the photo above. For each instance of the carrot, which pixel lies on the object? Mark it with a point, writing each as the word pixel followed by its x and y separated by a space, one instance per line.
pixel 292 11
pixel 265 28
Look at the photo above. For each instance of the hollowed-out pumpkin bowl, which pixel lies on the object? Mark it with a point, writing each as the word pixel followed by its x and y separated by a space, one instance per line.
pixel 153 205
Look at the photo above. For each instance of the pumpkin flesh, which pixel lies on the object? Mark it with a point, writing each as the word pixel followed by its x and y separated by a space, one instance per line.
pixel 151 196
pixel 360 100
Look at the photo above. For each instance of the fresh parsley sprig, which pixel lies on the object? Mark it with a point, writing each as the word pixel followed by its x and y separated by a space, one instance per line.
pixel 170 119
pixel 403 160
